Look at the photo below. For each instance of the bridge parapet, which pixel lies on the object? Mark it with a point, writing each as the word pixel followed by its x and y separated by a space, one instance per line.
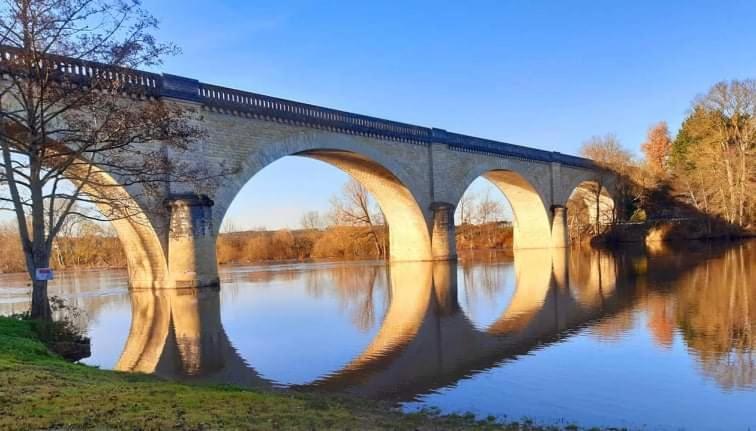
pixel 82 72
pixel 141 83
pixel 480 145
pixel 267 107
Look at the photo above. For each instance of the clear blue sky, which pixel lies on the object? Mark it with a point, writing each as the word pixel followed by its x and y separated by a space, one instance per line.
pixel 547 74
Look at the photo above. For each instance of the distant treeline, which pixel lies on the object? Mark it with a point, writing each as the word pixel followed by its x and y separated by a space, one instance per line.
pixel 96 249
pixel 338 242
pixel 705 172
pixel 488 236
pixel 100 250
pixel 341 243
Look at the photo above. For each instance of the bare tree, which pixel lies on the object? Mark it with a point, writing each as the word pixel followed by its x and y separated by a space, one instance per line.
pixel 466 208
pixel 311 220
pixel 465 216
pixel 714 154
pixel 355 207
pixel 487 212
pixel 608 153
pixel 71 137
pixel 229 226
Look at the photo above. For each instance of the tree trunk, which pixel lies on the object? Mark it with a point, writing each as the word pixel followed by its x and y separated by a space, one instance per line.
pixel 742 194
pixel 732 190
pixel 40 249
pixel 598 209
pixel 40 308
pixel 376 242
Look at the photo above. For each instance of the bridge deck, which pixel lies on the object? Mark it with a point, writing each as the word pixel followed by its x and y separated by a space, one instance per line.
pixel 141 83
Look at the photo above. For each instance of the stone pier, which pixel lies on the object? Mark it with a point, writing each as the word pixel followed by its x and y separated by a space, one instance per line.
pixel 191 242
pixel 559 232
pixel 443 241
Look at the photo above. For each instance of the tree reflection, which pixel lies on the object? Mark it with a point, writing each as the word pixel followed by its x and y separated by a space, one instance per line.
pixel 356 287
pixel 361 289
pixel 661 319
pixel 716 313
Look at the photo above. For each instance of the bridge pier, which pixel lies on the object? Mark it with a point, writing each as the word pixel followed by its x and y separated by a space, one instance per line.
pixel 191 242
pixel 559 233
pixel 443 241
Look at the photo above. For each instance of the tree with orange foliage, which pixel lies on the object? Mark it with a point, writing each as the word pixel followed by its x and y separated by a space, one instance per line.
pixel 657 148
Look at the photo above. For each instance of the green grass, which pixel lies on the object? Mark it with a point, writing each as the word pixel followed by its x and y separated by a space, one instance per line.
pixel 39 390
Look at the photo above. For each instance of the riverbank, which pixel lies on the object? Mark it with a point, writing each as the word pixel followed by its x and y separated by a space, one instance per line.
pixel 40 390
pixel 673 230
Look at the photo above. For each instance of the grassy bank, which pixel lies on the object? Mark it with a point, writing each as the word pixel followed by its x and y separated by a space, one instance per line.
pixel 39 390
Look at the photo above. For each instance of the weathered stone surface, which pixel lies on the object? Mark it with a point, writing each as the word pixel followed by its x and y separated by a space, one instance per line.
pixel 191 242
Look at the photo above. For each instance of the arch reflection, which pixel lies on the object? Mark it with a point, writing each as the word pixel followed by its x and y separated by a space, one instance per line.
pixel 446 345
pixel 426 341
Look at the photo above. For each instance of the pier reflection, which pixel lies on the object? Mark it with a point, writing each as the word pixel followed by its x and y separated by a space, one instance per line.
pixel 178 334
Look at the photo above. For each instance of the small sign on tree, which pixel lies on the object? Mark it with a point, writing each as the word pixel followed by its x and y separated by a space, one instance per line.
pixel 44 274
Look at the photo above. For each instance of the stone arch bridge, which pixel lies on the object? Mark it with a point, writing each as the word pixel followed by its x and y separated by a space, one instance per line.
pixel 417 175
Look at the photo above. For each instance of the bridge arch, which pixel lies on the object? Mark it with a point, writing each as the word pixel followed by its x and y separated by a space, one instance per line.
pixel 145 259
pixel 526 197
pixel 591 202
pixel 393 188
pixel 128 214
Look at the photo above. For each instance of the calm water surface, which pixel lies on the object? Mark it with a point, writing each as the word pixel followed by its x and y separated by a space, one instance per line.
pixel 654 339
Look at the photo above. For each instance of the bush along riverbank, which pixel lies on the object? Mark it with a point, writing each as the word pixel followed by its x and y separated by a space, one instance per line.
pixel 40 390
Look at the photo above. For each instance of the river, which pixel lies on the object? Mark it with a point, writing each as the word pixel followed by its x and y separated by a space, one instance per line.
pixel 652 338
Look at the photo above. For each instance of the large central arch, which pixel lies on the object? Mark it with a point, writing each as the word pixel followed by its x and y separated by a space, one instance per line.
pixel 381 175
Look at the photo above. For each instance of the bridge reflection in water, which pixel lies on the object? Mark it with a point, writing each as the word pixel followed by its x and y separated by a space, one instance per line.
pixel 547 336
pixel 425 341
